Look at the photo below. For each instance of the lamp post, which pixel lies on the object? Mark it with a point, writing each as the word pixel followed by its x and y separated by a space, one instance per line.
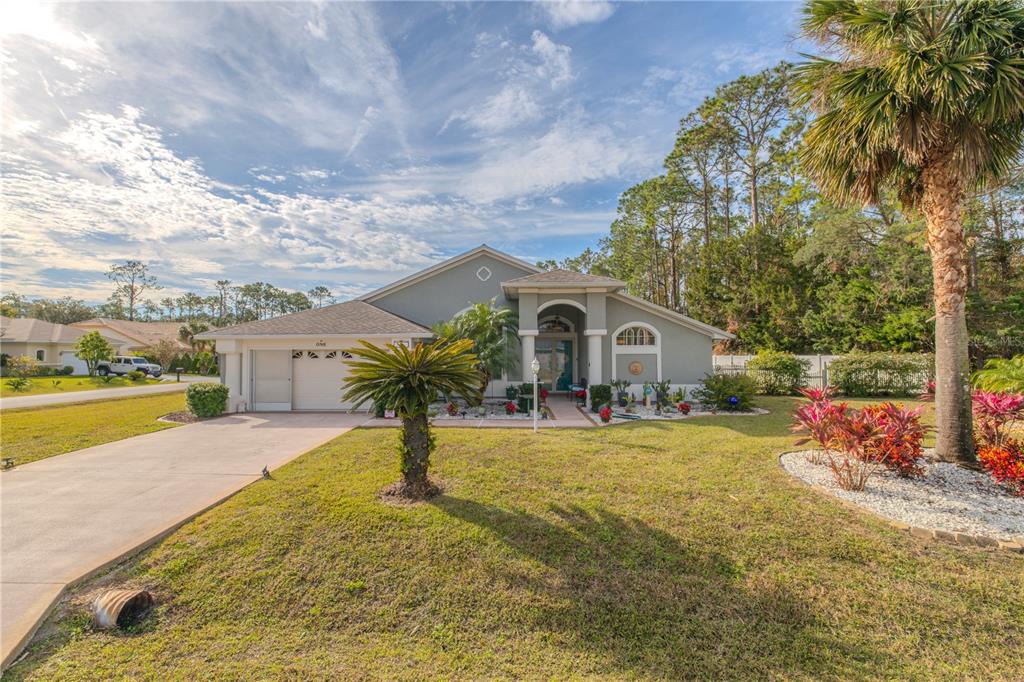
pixel 535 366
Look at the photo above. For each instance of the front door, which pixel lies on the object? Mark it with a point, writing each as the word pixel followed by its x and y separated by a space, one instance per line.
pixel 555 357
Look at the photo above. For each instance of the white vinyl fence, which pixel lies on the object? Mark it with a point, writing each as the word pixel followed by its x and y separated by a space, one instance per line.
pixel 817 373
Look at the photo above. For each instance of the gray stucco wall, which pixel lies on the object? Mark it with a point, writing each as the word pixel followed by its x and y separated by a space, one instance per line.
pixel 444 294
pixel 685 354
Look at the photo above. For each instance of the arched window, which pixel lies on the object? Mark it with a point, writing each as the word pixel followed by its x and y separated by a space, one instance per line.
pixel 635 336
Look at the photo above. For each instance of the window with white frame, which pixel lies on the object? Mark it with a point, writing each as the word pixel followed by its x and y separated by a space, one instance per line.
pixel 635 336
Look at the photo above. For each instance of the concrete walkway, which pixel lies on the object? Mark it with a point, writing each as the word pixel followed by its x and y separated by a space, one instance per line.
pixel 65 518
pixel 91 394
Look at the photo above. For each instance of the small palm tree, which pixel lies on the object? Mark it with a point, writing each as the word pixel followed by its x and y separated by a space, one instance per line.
pixel 407 380
pixel 926 96
pixel 189 332
pixel 492 330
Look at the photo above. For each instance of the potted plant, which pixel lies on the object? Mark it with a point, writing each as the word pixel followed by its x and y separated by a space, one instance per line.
pixel 621 386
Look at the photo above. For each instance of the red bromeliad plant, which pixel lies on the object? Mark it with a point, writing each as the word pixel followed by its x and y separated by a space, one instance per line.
pixel 898 445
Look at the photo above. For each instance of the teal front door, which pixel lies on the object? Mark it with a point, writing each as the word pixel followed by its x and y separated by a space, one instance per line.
pixel 555 357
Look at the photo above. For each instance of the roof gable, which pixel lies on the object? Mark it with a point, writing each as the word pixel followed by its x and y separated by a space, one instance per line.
pixel 452 262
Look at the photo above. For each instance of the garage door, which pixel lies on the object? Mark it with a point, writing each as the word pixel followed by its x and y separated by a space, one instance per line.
pixel 317 377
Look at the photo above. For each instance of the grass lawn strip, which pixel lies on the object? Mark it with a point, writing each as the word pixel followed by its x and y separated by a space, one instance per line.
pixel 45 385
pixel 651 551
pixel 36 433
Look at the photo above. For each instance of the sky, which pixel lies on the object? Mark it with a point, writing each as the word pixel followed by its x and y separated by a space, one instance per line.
pixel 340 144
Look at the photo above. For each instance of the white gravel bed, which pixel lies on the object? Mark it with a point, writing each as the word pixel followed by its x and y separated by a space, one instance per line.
pixel 947 497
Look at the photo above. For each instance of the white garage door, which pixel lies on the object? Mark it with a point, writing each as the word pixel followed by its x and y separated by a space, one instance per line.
pixel 69 359
pixel 317 377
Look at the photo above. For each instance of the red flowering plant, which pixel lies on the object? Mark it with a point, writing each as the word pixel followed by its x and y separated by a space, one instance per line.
pixel 684 408
pixel 510 408
pixel 605 413
pixel 1000 454
pixel 898 445
pixel 452 409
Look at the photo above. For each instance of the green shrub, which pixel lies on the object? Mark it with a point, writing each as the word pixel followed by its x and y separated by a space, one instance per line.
pixel 206 399
pixel 731 392
pixel 600 395
pixel 136 375
pixel 777 373
pixel 869 374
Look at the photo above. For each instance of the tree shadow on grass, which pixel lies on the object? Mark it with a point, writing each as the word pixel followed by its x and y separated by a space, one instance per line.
pixel 653 606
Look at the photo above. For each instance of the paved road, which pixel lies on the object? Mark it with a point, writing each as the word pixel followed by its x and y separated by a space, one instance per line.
pixel 66 517
pixel 91 394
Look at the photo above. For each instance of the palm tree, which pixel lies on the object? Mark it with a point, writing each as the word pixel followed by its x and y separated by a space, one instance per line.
pixel 926 96
pixel 493 331
pixel 407 380
pixel 189 332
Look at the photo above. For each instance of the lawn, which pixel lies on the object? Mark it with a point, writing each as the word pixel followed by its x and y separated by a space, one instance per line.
pixel 41 385
pixel 40 432
pixel 645 551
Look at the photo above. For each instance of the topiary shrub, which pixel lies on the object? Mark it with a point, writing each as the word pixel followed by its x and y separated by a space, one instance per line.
pixel 867 374
pixel 730 392
pixel 777 373
pixel 600 394
pixel 206 399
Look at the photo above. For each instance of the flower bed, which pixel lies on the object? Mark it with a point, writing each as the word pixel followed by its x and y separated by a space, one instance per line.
pixel 490 409
pixel 945 498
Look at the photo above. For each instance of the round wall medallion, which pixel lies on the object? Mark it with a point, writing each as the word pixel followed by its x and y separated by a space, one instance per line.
pixel 636 368
pixel 484 273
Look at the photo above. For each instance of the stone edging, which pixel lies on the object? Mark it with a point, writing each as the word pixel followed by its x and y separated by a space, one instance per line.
pixel 964 539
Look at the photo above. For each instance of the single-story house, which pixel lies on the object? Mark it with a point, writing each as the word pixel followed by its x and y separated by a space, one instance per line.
pixel 138 335
pixel 53 345
pixel 576 325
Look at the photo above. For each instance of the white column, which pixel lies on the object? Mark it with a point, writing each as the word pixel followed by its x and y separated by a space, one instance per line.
pixel 594 355
pixel 526 341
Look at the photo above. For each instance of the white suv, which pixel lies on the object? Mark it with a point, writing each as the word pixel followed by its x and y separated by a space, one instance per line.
pixel 123 364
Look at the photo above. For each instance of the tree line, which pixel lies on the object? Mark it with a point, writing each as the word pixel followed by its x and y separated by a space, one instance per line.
pixel 736 234
pixel 134 298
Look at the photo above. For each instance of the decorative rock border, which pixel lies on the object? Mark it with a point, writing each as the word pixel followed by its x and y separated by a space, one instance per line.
pixel 965 539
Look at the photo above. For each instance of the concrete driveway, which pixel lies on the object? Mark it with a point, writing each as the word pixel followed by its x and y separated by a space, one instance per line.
pixel 67 517
pixel 91 394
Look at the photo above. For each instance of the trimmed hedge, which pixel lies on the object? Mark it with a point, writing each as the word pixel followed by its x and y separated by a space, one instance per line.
pixel 870 374
pixel 206 399
pixel 777 373
pixel 730 392
pixel 600 395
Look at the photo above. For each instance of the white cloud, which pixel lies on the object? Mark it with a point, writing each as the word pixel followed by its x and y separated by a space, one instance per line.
pixel 568 13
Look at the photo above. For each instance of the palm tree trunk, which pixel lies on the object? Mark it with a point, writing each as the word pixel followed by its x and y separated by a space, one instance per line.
pixel 942 204
pixel 416 457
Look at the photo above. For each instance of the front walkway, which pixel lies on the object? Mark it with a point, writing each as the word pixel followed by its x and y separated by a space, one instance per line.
pixel 65 518
pixel 90 394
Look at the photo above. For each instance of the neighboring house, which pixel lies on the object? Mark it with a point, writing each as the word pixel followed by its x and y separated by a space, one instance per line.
pixel 139 335
pixel 578 326
pixel 53 345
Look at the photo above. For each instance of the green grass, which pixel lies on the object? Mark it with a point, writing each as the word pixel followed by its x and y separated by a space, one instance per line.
pixel 644 551
pixel 40 432
pixel 43 385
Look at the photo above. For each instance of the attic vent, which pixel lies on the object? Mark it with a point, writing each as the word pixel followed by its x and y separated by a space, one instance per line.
pixel 484 273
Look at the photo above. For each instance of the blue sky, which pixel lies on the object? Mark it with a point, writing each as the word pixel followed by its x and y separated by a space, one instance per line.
pixel 344 144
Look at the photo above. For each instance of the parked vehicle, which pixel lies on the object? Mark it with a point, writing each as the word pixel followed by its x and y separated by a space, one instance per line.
pixel 123 364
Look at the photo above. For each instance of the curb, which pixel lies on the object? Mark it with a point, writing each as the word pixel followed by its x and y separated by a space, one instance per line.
pixel 955 537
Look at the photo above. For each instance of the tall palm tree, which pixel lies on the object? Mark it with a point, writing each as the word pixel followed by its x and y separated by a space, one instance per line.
pixel 926 96
pixel 493 331
pixel 407 380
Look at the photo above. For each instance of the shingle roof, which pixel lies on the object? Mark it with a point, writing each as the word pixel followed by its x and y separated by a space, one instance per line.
pixel 143 333
pixel 560 276
pixel 28 330
pixel 350 317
